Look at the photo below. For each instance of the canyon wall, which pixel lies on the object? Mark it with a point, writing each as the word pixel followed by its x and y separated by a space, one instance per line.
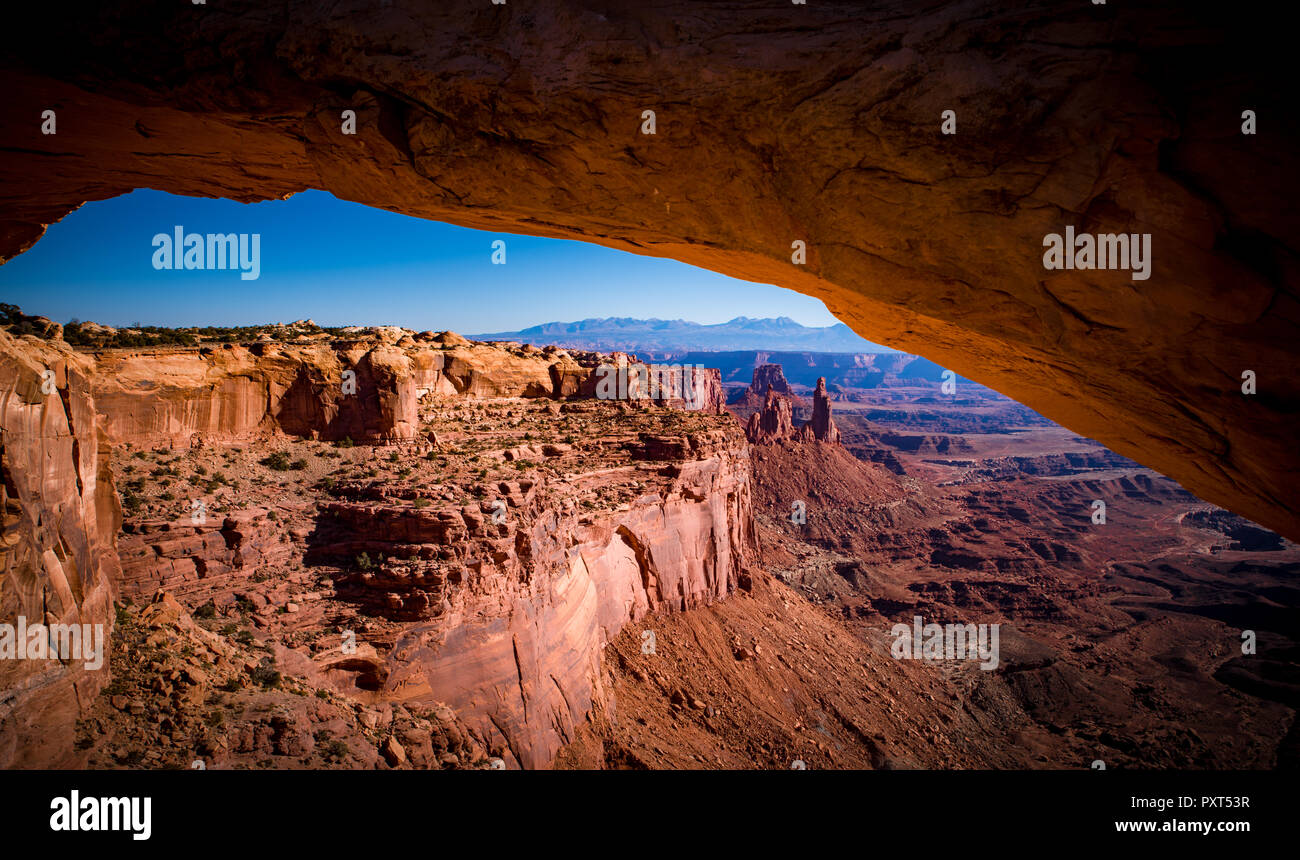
pixel 509 618
pixel 230 392
pixel 775 123
pixel 58 562
pixel 505 619
pixel 180 396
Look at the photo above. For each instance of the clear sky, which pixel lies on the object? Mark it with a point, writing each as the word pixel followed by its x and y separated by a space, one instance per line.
pixel 341 263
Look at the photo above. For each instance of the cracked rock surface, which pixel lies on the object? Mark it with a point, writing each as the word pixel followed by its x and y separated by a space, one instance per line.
pixel 816 123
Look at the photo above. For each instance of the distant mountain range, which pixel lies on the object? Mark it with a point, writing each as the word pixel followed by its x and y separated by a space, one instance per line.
pixel 654 338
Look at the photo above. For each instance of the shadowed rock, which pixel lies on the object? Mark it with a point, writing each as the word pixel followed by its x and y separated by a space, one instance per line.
pixel 818 124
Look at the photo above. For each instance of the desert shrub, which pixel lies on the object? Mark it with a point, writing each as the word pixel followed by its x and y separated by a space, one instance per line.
pixel 266 674
pixel 279 461
pixel 336 750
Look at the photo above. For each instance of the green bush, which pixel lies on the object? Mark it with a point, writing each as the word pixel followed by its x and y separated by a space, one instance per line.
pixel 266 675
pixel 279 461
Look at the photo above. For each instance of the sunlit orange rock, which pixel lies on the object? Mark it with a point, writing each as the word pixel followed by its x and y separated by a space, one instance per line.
pixel 774 125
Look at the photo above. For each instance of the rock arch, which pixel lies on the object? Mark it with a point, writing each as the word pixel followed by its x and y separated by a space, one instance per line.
pixel 776 123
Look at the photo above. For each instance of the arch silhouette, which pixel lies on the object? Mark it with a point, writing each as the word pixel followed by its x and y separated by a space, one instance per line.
pixel 816 123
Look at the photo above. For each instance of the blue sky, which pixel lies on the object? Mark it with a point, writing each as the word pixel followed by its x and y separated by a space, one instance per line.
pixel 341 263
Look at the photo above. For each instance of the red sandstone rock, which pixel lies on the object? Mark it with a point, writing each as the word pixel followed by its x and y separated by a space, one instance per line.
pixel 773 423
pixel 520 608
pixel 821 427
pixel 775 124
pixel 188 397
pixel 770 376
pixel 58 564
pixel 510 617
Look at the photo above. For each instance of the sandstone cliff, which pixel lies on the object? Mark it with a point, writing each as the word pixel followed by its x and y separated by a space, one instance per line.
pixel 515 640
pixel 500 619
pixel 58 563
pixel 776 123
pixel 366 390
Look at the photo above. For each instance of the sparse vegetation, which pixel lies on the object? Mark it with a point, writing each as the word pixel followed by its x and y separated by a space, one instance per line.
pixel 266 675
pixel 278 461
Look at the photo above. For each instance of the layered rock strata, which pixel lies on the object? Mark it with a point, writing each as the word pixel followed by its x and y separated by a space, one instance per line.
pixel 58 563
pixel 775 124
pixel 608 511
pixel 511 599
pixel 366 390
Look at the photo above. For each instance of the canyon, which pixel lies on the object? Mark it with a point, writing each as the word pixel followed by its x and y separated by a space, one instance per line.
pixel 1121 641
pixel 466 559
pixel 490 553
pixel 373 547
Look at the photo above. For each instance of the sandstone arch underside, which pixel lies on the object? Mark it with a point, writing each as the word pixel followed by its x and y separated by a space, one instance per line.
pixel 775 122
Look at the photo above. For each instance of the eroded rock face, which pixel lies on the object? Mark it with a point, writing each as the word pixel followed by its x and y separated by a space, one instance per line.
pixel 769 376
pixel 773 125
pixel 775 421
pixel 642 507
pixel 190 396
pixel 821 427
pixel 514 644
pixel 58 563
pixel 164 554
